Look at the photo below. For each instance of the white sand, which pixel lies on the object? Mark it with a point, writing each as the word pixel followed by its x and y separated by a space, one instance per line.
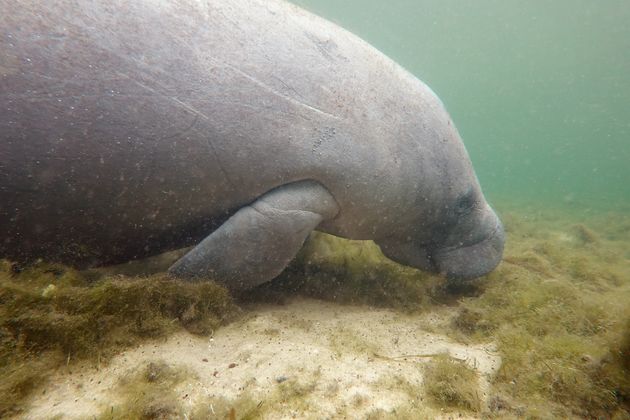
pixel 348 354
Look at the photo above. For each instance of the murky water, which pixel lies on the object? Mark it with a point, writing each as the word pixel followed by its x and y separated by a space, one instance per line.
pixel 540 93
pixel 539 90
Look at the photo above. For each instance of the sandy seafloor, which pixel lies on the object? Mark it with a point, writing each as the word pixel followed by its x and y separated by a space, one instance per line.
pixel 311 356
pixel 342 354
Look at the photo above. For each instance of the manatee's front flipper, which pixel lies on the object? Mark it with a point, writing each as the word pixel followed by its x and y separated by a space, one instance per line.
pixel 258 241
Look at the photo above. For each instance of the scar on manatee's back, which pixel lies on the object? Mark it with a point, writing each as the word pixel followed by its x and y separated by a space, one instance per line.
pixel 327 47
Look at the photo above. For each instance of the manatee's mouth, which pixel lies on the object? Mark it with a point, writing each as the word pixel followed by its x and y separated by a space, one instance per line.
pixel 472 260
pixel 461 262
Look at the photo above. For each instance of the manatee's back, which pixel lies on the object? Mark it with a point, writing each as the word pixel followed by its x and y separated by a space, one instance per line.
pixel 130 128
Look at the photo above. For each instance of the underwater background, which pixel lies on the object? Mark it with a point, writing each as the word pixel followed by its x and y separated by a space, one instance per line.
pixel 539 90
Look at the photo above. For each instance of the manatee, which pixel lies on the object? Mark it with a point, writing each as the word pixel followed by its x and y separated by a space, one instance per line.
pixel 235 126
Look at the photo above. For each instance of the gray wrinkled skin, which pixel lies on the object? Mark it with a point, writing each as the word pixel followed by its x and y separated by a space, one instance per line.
pixel 128 128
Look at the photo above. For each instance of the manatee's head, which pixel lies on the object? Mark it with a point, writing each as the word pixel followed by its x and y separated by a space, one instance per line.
pixel 449 228
pixel 466 242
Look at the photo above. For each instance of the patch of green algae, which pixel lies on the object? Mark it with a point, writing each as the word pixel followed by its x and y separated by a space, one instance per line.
pixel 352 272
pixel 451 383
pixel 558 308
pixel 51 316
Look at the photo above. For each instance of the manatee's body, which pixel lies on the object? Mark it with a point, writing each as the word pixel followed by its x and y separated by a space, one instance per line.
pixel 132 128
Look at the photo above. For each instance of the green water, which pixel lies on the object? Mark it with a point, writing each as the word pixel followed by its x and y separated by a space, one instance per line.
pixel 540 90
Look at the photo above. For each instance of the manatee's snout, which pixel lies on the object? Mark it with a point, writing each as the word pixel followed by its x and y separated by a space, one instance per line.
pixel 461 257
pixel 476 258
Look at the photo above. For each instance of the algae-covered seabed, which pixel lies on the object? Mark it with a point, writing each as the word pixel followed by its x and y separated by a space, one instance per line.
pixel 343 333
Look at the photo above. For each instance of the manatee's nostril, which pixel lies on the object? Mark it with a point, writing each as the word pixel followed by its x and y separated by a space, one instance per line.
pixel 465 204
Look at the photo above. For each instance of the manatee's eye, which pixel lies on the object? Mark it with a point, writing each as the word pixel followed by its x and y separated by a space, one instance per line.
pixel 465 203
